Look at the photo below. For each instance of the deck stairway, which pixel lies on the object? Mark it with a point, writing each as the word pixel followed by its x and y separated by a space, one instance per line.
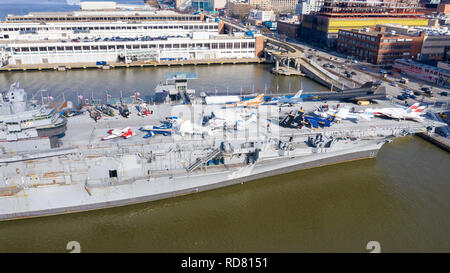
pixel 202 160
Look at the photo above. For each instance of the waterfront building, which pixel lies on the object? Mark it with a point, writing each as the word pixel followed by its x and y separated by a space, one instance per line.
pixel 323 27
pixel 103 16
pixel 379 46
pixel 436 41
pixel 196 46
pixel 96 30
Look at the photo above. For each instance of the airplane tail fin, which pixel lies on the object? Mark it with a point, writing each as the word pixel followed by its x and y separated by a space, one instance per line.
pixel 332 118
pixel 298 94
pixel 413 107
pixel 260 98
pixel 420 109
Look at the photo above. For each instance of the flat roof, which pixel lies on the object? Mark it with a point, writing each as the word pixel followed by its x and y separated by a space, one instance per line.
pixel 100 13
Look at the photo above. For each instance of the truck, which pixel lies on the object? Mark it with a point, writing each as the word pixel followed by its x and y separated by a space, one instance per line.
pixel 250 33
pixel 271 25
pixel 403 80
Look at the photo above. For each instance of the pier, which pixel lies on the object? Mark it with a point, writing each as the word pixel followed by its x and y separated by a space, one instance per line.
pixel 68 66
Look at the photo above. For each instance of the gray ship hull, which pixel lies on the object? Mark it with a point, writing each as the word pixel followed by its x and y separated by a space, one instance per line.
pixel 78 198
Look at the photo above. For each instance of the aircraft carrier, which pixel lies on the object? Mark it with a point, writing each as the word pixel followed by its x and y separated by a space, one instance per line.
pixel 83 172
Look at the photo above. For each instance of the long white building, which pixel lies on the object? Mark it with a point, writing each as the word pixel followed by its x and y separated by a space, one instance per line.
pixel 199 45
pixel 89 30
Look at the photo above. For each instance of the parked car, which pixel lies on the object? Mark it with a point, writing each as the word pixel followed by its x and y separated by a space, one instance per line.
pixel 401 97
pixel 417 93
pixel 444 93
pixel 353 73
pixel 332 66
pixel 394 84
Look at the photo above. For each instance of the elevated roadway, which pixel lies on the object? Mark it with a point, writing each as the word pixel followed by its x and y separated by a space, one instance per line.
pixel 294 54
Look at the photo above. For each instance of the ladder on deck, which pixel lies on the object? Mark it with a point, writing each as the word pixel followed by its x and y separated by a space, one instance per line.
pixel 202 160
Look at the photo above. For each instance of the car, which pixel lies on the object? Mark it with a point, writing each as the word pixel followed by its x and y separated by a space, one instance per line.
pixel 353 73
pixel 401 97
pixel 394 84
pixel 355 61
pixel 325 65
pixel 425 89
pixel 332 66
pixel 412 96
pixel 444 93
pixel 417 93
pixel 319 59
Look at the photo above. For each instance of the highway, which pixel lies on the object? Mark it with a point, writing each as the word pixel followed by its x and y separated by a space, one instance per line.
pixel 294 51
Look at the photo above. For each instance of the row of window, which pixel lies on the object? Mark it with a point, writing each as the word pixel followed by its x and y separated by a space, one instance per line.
pixel 351 34
pixel 235 45
pixel 396 40
pixel 359 43
pixel 105 18
pixel 200 26
pixel 397 46
pixel 395 54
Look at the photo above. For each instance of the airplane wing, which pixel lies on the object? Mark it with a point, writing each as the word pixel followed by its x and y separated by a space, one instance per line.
pixel 111 136
pixel 313 123
pixel 342 113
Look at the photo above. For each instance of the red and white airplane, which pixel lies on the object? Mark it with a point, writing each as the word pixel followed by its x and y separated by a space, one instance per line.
pixel 414 112
pixel 114 133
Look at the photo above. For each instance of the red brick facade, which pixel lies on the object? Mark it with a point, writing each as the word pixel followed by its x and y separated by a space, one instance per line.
pixel 379 47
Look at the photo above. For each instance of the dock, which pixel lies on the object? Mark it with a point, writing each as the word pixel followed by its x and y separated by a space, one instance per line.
pixel 112 65
pixel 440 141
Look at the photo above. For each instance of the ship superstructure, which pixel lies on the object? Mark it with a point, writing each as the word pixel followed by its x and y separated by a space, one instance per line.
pixel 26 126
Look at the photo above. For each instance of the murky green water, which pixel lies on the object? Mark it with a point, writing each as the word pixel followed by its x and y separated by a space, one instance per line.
pixel 401 198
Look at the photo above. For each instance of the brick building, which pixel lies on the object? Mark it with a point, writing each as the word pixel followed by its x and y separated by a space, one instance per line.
pixel 379 46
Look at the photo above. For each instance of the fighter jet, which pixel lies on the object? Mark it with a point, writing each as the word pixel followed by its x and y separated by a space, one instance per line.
pixel 344 113
pixel 114 133
pixel 255 102
pixel 165 129
pixel 291 100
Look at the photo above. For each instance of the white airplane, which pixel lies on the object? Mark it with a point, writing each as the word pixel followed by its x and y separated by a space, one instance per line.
pixel 344 113
pixel 114 133
pixel 292 100
pixel 229 119
pixel 414 112
pixel 184 127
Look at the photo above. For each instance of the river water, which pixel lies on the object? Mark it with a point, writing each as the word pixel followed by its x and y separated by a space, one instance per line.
pixel 400 199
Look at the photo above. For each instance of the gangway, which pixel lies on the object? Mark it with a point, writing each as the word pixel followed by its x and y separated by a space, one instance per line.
pixel 202 160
